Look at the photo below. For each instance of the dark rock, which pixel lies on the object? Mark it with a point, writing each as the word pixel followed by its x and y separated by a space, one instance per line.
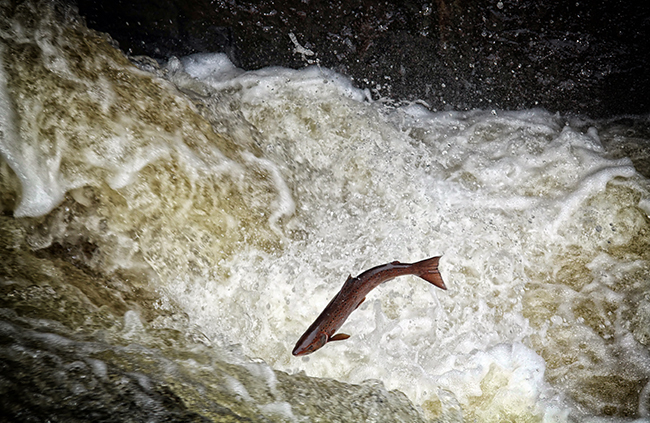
pixel 576 57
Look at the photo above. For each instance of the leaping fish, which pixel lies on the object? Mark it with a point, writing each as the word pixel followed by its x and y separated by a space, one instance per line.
pixel 353 293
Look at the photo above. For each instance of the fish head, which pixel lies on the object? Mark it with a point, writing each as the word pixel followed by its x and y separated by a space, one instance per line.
pixel 309 343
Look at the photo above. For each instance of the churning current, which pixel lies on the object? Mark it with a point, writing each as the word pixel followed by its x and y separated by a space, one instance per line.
pixel 195 213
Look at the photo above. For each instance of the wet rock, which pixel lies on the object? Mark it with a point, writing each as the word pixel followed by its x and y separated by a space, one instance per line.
pixel 576 57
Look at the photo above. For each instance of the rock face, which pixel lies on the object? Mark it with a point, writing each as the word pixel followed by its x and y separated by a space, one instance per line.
pixel 575 57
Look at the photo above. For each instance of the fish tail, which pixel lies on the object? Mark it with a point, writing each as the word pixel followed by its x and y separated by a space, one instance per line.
pixel 428 270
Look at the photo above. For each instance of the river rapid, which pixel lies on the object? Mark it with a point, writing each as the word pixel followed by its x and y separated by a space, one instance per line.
pixel 169 231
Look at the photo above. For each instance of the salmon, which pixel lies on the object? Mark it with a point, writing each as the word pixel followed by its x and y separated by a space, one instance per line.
pixel 353 293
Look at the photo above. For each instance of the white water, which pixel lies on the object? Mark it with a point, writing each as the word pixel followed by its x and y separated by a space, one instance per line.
pixel 253 230
pixel 505 197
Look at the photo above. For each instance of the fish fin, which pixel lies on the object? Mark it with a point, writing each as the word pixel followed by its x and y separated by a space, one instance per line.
pixel 339 337
pixel 364 299
pixel 428 270
pixel 349 279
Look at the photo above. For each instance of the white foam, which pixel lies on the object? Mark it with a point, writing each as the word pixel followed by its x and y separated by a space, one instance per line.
pixel 263 372
pixel 284 206
pixel 590 185
pixel 512 200
pixel 498 194
pixel 214 67
pixel 41 190
pixel 282 409
pixel 236 387
pixel 217 70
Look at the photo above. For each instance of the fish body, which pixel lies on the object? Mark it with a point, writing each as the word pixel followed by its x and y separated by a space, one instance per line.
pixel 353 293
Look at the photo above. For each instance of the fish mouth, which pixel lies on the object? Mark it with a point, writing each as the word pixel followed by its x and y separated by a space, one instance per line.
pixel 297 352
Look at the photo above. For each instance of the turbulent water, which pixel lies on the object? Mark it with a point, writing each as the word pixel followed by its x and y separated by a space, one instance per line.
pixel 169 232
